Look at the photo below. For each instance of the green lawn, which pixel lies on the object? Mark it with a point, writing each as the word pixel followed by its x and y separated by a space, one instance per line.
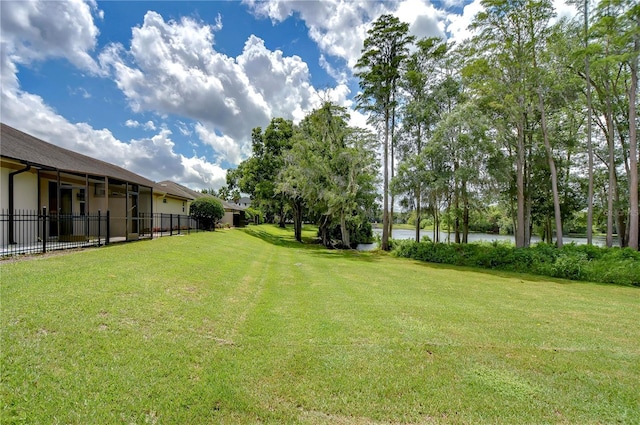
pixel 247 326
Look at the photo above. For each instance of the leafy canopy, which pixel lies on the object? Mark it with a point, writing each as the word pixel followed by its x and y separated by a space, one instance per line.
pixel 207 211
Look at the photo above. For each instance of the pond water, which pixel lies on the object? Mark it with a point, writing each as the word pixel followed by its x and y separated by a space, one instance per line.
pixel 477 237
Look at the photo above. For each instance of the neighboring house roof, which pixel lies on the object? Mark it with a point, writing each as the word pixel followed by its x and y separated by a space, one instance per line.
pixel 176 188
pixel 244 201
pixel 23 147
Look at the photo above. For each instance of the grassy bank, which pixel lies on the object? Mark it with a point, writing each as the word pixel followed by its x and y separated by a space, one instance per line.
pixel 249 326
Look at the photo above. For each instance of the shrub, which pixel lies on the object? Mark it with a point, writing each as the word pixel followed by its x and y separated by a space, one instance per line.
pixel 577 262
pixel 570 265
pixel 207 211
pixel 254 215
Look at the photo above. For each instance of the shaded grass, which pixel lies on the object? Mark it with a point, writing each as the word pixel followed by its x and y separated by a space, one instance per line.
pixel 246 327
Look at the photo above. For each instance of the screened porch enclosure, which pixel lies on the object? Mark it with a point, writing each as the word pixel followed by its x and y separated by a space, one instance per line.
pixel 74 200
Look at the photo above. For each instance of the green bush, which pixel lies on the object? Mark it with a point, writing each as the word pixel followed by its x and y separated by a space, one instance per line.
pixel 577 262
pixel 570 265
pixel 207 211
pixel 254 215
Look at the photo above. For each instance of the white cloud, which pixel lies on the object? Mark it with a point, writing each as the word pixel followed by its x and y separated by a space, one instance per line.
pixel 153 157
pixel 156 156
pixel 225 145
pixel 183 128
pixel 33 31
pixel 564 10
pixel 173 68
pixel 81 91
pixel 339 27
pixel 341 76
pixel 218 25
pixel 197 167
pixel 458 25
pixel 423 18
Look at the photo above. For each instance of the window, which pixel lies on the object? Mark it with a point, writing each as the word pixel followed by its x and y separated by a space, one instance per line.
pixel 82 199
pixel 99 190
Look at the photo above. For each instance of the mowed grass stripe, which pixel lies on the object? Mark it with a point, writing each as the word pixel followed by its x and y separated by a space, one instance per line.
pixel 249 326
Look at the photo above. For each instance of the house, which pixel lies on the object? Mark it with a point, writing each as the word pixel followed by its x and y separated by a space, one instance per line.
pixel 234 215
pixel 41 178
pixel 244 202
pixel 37 175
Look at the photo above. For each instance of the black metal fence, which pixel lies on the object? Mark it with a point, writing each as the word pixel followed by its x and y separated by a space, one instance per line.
pixel 161 224
pixel 30 232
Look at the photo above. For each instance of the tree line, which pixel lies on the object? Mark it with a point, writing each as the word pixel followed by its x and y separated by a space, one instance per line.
pixel 538 118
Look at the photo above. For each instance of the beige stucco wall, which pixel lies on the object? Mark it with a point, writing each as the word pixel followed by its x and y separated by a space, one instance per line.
pixel 96 202
pixel 4 188
pixel 25 190
pixel 171 206
pixel 227 219
pixel 25 199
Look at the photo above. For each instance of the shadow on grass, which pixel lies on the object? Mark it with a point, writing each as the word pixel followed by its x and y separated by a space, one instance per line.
pixel 285 238
pixel 287 241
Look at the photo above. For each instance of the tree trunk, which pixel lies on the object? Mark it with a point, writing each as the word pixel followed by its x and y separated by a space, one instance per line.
pixel 527 193
pixel 324 231
pixel 346 239
pixel 589 122
pixel 554 172
pixel 612 171
pixel 520 209
pixel 634 222
pixel 393 142
pixel 456 204
pixel 436 229
pixel 621 218
pixel 418 194
pixel 384 245
pixel 283 220
pixel 297 219
pixel 418 212
pixel 465 213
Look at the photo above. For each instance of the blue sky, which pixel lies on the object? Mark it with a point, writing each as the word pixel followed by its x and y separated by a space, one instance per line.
pixel 172 89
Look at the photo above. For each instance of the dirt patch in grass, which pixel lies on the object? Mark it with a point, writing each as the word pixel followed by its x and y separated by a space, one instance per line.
pixel 29 257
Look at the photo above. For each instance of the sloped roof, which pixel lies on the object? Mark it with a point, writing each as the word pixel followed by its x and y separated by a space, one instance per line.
pixel 183 191
pixel 21 146
pixel 177 189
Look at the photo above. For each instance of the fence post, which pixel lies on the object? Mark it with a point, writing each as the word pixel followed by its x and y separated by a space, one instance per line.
pixel 106 241
pixel 99 226
pixel 179 229
pixel 44 229
pixel 170 224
